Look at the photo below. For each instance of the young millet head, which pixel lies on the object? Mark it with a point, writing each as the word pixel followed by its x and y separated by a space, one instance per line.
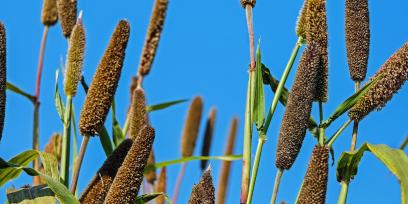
pixel 301 21
pixel 203 192
pixel 103 87
pixel 138 114
pixel 191 127
pixel 67 14
pixel 49 14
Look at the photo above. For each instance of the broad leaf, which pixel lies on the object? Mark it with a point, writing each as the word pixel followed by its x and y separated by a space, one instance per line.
pixel 41 194
pixel 19 91
pixel 23 159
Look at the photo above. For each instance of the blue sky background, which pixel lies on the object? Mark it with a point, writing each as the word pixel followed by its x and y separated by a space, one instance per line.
pixel 204 51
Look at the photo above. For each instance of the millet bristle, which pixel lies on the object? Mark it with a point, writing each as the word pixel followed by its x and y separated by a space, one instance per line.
pixel 203 192
pixel 208 135
pixel 297 113
pixel 138 113
pixel 316 31
pixel 301 22
pixel 67 13
pixel 153 36
pixel 151 175
pixel 161 185
pixel 226 165
pixel 98 188
pixel 49 14
pixel 357 38
pixel 394 73
pixel 191 127
pixel 103 87
pixel 126 184
pixel 75 60
pixel 248 2
pixel 314 186
pixel 3 76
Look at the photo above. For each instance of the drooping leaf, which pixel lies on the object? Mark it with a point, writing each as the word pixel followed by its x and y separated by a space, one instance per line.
pixel 165 105
pixel 149 197
pixel 41 194
pixel 395 160
pixel 57 99
pixel 259 106
pixel 23 159
pixel 19 91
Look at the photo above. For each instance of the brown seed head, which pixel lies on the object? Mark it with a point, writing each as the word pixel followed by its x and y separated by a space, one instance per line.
pixel 3 76
pixel 103 87
pixel 98 188
pixel 316 31
pixel 208 135
pixel 248 2
pixel 54 146
pixel 357 38
pixel 301 22
pixel 151 175
pixel 203 192
pixel 67 13
pixel 161 186
pixel 138 113
pixel 125 186
pixel 49 14
pixel 191 127
pixel 226 165
pixel 153 36
pixel 394 73
pixel 296 117
pixel 75 60
pixel 315 182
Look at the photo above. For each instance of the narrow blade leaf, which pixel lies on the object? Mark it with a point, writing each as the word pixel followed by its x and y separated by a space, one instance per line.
pixel 259 106
pixel 57 99
pixel 19 91
pixel 165 105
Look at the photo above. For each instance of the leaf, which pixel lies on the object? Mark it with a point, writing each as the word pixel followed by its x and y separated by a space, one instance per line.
pixel 41 194
pixel 394 159
pixel 19 91
pixel 164 105
pixel 116 130
pixel 23 159
pixel 57 99
pixel 149 197
pixel 187 159
pixel 259 106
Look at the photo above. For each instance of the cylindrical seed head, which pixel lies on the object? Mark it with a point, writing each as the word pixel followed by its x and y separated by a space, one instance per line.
pixel 67 13
pixel 98 188
pixel 249 2
pixel 161 185
pixel 357 38
pixel 315 182
pixel 151 175
pixel 153 36
pixel 208 135
pixel 75 60
pixel 103 87
pixel 297 113
pixel 3 76
pixel 191 127
pixel 54 146
pixel 394 73
pixel 226 165
pixel 203 192
pixel 138 113
pixel 316 31
pixel 49 14
pixel 125 186
pixel 301 22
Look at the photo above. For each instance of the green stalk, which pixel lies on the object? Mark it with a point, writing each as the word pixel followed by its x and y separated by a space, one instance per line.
pixel 404 144
pixel 338 133
pixel 126 126
pixel 355 126
pixel 261 141
pixel 343 193
pixel 276 185
pixel 66 138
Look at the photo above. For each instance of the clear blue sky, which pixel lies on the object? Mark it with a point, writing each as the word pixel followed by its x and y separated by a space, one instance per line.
pixel 204 51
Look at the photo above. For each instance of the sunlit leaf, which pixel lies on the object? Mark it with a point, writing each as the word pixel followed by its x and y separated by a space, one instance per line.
pixel 259 106
pixel 41 194
pixel 165 105
pixel 19 91
pixel 57 99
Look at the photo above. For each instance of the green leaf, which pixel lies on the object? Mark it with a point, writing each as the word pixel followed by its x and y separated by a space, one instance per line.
pixel 19 91
pixel 149 197
pixel 23 159
pixel 259 106
pixel 187 159
pixel 57 99
pixel 394 159
pixel 118 137
pixel 40 194
pixel 165 105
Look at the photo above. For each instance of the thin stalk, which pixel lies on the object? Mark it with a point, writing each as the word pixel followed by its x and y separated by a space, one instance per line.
pixel 321 112
pixel 78 164
pixel 338 133
pixel 343 193
pixel 355 126
pixel 126 126
pixel 321 136
pixel 276 185
pixel 178 182
pixel 66 142
pixel 261 141
pixel 404 144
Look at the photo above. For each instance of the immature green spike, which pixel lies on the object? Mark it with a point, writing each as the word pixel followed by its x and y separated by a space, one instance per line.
pixel 138 113
pixel 191 127
pixel 203 192
pixel 49 14
pixel 125 186
pixel 153 36
pixel 314 186
pixel 248 2
pixel 357 38
pixel 98 188
pixel 103 87
pixel 151 175
pixel 296 117
pixel 208 135
pixel 301 22
pixel 393 74
pixel 67 13
pixel 316 31
pixel 3 76
pixel 75 60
